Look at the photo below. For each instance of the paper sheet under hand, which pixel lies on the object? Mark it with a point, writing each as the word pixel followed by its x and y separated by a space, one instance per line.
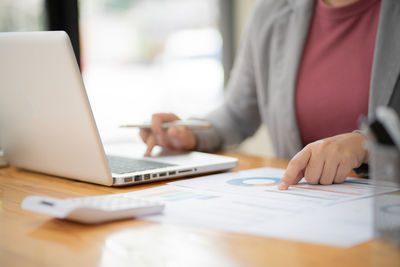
pixel 249 202
pixel 262 183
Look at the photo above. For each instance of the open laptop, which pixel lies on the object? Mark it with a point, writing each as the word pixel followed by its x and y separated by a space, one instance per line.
pixel 47 126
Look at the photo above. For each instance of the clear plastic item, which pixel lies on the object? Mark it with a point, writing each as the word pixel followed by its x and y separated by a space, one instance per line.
pixel 3 162
pixel 385 170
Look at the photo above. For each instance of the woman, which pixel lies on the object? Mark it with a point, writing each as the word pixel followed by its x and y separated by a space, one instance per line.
pixel 308 69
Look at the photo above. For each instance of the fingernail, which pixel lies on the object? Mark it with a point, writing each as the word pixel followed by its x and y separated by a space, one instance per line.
pixel 283 186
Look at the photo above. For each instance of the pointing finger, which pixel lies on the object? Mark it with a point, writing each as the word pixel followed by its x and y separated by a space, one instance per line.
pixel 294 171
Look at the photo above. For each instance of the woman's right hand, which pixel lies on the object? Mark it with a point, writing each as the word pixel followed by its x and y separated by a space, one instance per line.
pixel 178 138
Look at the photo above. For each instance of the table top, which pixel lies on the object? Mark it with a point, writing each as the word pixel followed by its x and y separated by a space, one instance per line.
pixel 30 239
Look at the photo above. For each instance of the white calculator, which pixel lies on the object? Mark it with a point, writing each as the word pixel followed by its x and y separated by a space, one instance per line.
pixel 94 209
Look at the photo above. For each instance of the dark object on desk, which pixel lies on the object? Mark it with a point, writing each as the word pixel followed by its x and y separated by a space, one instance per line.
pixel 380 133
pixel 390 122
pixel 363 170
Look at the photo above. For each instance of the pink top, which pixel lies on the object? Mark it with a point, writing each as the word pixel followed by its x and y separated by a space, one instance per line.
pixel 334 75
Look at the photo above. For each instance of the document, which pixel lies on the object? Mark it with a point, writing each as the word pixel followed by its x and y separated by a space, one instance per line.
pixel 262 183
pixel 249 202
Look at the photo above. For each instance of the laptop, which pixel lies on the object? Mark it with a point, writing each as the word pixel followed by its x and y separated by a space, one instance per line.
pixel 47 125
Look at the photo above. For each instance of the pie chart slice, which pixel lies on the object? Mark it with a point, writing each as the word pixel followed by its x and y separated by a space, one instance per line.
pixel 255 181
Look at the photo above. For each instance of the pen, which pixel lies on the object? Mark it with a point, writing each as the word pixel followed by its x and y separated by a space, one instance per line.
pixel 190 124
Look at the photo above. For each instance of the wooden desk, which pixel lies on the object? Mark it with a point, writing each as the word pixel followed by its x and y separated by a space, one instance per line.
pixel 29 239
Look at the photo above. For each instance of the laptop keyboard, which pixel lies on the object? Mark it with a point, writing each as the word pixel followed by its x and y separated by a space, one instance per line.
pixel 122 165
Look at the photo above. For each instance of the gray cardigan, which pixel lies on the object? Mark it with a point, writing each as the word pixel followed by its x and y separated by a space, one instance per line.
pixel 262 84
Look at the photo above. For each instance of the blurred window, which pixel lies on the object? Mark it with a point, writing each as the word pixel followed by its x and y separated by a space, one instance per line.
pixel 27 15
pixel 145 56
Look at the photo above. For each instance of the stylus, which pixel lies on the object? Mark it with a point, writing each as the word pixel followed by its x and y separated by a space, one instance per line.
pixel 191 124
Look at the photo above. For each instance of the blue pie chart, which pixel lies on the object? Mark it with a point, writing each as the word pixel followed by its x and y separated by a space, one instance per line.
pixel 255 181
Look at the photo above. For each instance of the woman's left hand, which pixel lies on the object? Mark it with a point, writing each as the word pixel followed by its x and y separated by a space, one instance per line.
pixel 326 161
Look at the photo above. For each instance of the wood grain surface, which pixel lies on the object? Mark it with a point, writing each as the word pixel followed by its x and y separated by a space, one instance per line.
pixel 30 239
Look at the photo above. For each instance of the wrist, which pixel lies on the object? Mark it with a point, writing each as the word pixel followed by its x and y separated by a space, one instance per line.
pixel 361 137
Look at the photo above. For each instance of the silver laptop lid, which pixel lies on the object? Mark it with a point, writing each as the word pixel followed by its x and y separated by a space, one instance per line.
pixel 39 81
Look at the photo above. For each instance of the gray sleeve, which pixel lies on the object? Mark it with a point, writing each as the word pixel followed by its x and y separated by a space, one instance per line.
pixel 239 116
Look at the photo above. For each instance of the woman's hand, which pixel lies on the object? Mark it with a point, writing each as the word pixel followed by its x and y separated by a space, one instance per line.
pixel 179 138
pixel 326 161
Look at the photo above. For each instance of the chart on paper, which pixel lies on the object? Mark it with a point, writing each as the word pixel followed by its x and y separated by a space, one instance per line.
pixel 350 188
pixel 249 202
pixel 262 183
